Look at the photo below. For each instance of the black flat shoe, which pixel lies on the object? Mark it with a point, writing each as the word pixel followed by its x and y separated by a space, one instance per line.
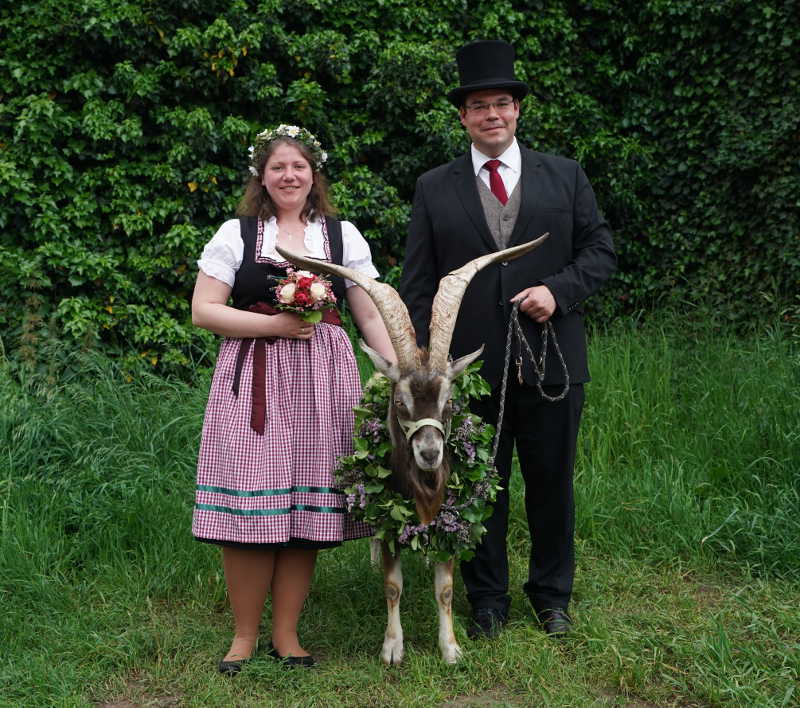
pixel 231 668
pixel 555 622
pixel 305 662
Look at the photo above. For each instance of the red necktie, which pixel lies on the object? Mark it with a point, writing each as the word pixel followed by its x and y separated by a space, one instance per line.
pixel 496 181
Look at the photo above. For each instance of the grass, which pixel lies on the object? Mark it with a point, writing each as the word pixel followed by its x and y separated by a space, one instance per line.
pixel 686 594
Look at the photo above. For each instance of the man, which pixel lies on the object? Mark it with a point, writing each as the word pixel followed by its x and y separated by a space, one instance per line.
pixel 467 208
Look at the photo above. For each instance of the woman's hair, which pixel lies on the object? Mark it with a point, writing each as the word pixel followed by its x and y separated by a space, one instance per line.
pixel 256 200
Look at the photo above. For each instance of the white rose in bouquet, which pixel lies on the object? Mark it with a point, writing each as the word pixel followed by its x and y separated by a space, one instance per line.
pixel 318 292
pixel 286 294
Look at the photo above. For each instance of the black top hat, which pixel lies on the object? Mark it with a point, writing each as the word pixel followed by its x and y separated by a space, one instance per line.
pixel 486 64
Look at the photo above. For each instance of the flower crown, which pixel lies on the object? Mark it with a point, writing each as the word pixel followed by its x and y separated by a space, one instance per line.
pixel 264 138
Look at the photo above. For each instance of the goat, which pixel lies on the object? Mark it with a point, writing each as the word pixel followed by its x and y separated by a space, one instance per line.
pixel 418 418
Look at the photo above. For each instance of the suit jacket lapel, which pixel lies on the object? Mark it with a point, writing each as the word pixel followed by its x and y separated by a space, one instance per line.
pixel 467 190
pixel 529 198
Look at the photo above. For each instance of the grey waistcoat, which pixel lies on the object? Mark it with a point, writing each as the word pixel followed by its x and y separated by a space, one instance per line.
pixel 500 219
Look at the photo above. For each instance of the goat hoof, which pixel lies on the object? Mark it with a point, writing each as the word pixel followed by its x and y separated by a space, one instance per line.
pixel 451 654
pixel 392 653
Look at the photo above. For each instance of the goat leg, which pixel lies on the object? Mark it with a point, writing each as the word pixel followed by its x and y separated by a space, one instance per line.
pixel 392 651
pixel 448 645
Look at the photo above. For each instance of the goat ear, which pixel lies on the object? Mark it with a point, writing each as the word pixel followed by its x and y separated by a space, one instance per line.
pixel 456 368
pixel 387 368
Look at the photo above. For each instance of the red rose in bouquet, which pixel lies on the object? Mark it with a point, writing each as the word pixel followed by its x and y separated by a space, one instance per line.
pixel 305 294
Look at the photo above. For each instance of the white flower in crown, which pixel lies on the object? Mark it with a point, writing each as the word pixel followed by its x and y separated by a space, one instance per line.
pixel 304 274
pixel 265 137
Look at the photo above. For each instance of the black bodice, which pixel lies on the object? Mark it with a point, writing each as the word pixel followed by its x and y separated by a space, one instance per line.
pixel 256 279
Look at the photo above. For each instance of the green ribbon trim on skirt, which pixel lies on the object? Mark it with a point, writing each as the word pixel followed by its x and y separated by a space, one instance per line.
pixel 242 512
pixel 266 492
pixel 270 512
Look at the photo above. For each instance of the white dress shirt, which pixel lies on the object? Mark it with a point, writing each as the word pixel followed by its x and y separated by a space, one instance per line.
pixel 510 168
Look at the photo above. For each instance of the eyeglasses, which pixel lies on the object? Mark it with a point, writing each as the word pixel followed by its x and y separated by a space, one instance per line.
pixel 481 108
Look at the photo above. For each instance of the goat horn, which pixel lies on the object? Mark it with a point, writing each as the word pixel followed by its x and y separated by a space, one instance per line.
pixel 450 293
pixel 392 309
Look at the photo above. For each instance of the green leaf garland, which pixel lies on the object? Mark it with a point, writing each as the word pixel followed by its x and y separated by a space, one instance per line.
pixel 471 488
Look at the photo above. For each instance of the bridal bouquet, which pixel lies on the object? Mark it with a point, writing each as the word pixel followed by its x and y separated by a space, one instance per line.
pixel 305 294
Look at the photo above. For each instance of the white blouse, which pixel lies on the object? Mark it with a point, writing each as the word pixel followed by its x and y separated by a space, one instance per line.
pixel 222 255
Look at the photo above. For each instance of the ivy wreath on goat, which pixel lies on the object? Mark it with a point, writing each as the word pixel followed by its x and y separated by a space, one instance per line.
pixel 471 488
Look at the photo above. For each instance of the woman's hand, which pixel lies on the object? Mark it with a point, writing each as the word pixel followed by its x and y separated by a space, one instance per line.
pixel 210 311
pixel 290 326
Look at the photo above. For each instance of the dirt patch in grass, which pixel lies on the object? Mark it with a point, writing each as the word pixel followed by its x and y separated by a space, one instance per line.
pixel 707 596
pixel 135 695
pixel 162 702
pixel 612 698
pixel 495 697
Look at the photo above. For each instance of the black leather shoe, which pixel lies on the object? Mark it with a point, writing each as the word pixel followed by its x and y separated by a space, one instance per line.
pixel 555 621
pixel 231 668
pixel 305 662
pixel 486 622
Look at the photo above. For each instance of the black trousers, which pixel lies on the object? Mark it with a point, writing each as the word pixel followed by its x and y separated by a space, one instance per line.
pixel 545 435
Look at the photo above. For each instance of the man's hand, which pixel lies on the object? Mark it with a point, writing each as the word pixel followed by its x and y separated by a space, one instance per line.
pixel 537 302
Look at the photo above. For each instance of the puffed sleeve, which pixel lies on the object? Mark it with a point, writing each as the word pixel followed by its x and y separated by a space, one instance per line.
pixel 222 255
pixel 356 253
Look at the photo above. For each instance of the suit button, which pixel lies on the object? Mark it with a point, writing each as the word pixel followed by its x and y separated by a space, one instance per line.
pixel 499 303
pixel 504 263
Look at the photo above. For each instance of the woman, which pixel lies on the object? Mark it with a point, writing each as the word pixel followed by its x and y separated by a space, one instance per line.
pixel 280 408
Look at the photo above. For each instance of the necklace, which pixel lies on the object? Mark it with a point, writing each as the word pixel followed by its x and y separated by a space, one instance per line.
pixel 291 233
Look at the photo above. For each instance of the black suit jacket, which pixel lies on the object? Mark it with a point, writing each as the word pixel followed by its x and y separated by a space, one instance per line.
pixel 448 228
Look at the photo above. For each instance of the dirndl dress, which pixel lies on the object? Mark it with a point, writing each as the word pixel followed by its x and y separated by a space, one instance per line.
pixel 271 483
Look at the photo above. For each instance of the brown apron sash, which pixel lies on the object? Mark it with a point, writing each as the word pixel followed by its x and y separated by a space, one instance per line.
pixel 258 413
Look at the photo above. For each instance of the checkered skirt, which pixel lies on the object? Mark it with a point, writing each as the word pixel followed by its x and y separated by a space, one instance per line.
pixel 269 488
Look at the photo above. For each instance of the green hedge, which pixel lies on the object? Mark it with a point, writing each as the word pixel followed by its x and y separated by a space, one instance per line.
pixel 124 127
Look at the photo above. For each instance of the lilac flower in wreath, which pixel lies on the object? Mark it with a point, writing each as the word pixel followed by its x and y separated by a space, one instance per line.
pixel 372 428
pixel 469 448
pixel 348 477
pixel 410 531
pixel 363 496
pixel 448 521
pixel 481 489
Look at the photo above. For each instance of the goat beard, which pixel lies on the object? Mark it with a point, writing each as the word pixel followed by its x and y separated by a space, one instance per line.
pixel 426 488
